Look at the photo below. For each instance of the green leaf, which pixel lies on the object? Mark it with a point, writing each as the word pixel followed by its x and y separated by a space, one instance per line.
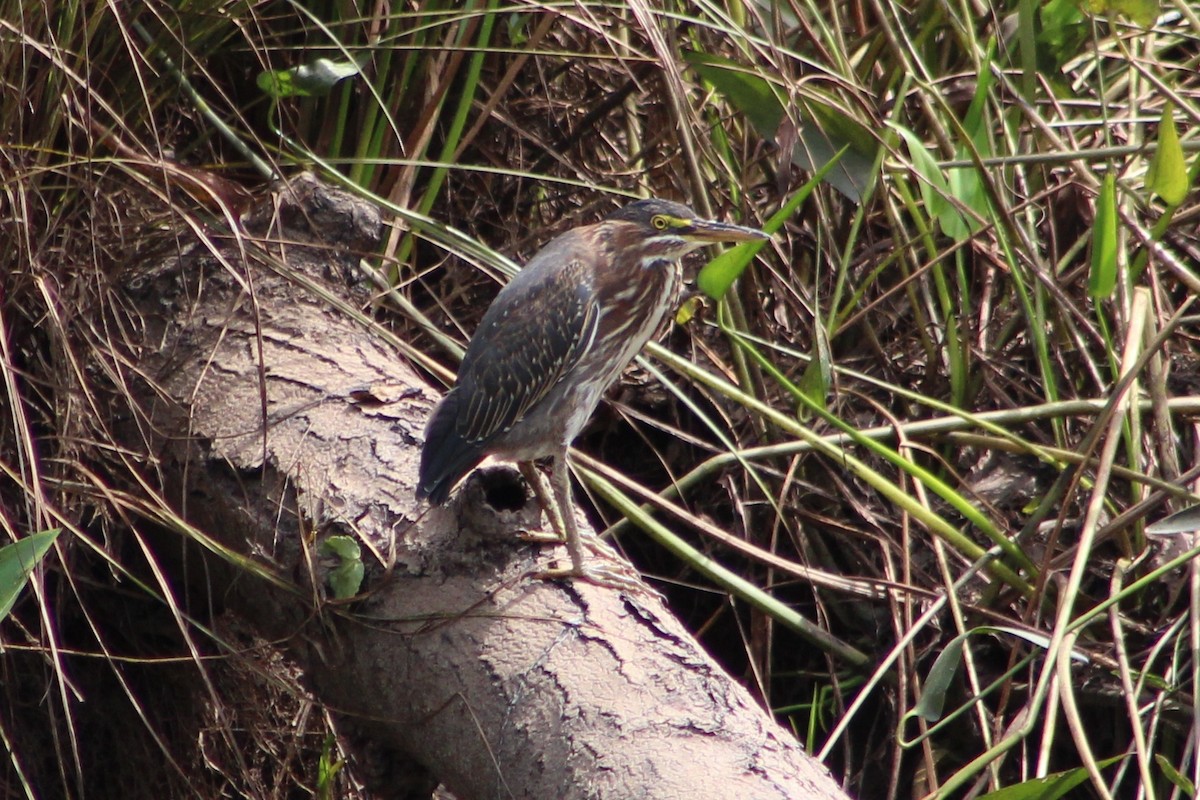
pixel 821 130
pixel 818 375
pixel 1103 278
pixel 966 184
pixel 687 310
pixel 934 188
pixel 1050 787
pixel 1185 521
pixel 328 766
pixel 1174 776
pixel 306 80
pixel 718 275
pixel 1167 176
pixel 1143 13
pixel 937 683
pixel 827 133
pixel 945 667
pixel 17 561
pixel 1064 29
pixel 749 93
pixel 346 578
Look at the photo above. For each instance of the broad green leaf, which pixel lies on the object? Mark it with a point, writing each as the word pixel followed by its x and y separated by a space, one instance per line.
pixel 718 275
pixel 749 93
pixel 1064 29
pixel 1103 278
pixel 1167 176
pixel 821 130
pixel 843 129
pixel 346 578
pixel 306 80
pixel 17 561
pixel 1143 13
pixel 828 133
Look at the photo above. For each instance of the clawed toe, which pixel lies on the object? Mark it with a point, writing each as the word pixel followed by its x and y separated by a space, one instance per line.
pixel 541 537
pixel 608 577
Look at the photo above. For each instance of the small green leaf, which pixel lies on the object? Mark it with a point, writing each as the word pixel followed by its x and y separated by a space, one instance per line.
pixel 1167 176
pixel 279 83
pixel 1051 787
pixel 945 667
pixel 718 275
pixel 687 309
pixel 815 385
pixel 346 578
pixel 17 561
pixel 934 188
pixel 1103 278
pixel 306 80
pixel 1174 776
pixel 937 683
pixel 328 767
pixel 518 29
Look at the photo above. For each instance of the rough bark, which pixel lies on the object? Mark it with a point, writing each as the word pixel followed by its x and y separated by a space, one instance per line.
pixel 278 419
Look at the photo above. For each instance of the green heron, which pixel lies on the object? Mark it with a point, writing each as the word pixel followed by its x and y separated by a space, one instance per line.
pixel 554 339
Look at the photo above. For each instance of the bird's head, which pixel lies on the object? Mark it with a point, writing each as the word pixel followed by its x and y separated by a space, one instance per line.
pixel 660 230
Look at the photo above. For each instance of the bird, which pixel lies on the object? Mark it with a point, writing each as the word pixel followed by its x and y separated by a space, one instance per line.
pixel 553 340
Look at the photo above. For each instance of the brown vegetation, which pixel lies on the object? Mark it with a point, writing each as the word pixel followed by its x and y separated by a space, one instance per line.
pixel 927 364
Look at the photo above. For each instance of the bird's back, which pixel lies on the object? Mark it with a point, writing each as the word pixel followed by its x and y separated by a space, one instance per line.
pixel 531 335
pixel 549 345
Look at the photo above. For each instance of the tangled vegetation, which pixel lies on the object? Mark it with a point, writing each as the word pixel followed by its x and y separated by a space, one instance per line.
pixel 898 477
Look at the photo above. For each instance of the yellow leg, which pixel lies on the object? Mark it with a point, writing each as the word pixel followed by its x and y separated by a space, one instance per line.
pixel 542 492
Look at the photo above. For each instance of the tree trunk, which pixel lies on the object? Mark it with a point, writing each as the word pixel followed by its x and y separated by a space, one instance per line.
pixel 278 420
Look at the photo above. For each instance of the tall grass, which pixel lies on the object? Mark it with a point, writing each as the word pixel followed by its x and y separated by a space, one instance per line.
pixel 897 476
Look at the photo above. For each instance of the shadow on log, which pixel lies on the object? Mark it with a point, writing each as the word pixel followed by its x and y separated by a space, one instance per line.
pixel 279 420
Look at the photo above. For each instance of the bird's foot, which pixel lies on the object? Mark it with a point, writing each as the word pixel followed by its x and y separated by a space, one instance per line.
pixel 624 579
pixel 541 537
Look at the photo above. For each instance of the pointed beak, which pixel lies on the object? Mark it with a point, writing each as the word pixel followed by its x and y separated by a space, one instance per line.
pixel 705 230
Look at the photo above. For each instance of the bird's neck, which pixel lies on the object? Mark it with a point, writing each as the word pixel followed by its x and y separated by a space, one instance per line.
pixel 656 262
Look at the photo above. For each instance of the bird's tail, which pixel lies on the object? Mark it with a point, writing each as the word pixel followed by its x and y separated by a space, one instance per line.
pixel 446 456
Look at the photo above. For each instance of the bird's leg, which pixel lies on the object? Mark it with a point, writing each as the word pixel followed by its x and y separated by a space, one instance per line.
pixel 560 481
pixel 537 482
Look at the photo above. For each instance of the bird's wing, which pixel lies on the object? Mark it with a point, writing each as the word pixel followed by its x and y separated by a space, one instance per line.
pixel 533 333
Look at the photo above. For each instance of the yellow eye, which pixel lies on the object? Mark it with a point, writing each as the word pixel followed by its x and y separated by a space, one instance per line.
pixel 659 223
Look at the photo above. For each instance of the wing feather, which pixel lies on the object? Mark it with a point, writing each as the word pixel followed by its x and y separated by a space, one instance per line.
pixel 533 334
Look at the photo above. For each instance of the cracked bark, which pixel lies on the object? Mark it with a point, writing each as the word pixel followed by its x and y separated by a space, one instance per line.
pixel 277 419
